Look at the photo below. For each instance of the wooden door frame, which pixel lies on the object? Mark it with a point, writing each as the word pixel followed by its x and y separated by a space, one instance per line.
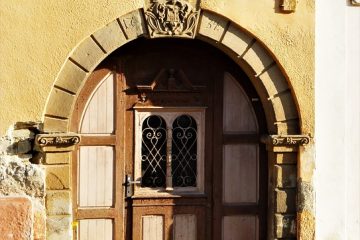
pixel 117 212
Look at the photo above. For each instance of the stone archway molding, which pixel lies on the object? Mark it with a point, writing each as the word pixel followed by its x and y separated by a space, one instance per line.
pixel 245 49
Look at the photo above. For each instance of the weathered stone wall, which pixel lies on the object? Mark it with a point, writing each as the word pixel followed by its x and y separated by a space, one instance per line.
pixel 21 178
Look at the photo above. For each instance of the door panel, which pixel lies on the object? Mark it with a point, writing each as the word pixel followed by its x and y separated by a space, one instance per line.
pixel 96 182
pixel 240 172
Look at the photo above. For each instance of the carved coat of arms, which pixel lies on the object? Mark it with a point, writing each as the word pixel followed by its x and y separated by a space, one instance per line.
pixel 171 18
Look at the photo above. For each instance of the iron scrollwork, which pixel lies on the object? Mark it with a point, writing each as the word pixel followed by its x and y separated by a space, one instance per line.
pixel 184 152
pixel 153 152
pixel 171 18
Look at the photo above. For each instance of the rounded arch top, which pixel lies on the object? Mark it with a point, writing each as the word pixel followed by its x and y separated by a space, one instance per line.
pixel 250 54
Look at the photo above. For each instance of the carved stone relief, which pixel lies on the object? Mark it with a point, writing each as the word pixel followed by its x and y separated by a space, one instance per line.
pixel 168 18
pixel 286 140
pixel 56 142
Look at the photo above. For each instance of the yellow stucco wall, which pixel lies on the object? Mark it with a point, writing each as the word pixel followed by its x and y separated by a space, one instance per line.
pixel 36 36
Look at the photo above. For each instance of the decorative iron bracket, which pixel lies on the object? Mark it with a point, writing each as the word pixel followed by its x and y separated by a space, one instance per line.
pixel 56 142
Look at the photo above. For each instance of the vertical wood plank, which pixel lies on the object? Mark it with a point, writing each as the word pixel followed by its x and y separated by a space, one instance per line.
pixel 184 227
pixel 153 227
pixel 96 176
pixel 99 114
pixel 95 229
pixel 240 174
pixel 240 227
pixel 238 115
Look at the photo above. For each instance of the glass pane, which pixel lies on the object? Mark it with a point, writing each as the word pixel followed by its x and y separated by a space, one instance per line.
pixel 240 227
pixel 240 174
pixel 153 152
pixel 238 112
pixel 95 229
pixel 99 114
pixel 96 167
pixel 184 152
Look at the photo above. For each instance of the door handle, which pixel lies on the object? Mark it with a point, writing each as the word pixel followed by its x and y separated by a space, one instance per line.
pixel 129 185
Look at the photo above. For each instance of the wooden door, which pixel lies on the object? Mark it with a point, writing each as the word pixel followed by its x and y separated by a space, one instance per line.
pixel 170 147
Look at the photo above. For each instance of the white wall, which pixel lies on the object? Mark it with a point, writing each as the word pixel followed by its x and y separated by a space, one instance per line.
pixel 337 88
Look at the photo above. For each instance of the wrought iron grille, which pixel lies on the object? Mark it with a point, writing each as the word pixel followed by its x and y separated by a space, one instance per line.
pixel 184 152
pixel 153 152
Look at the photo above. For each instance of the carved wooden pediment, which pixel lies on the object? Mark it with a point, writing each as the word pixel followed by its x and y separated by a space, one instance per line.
pixel 166 18
pixel 169 80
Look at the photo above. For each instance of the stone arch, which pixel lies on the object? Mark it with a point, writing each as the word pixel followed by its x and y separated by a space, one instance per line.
pixel 246 50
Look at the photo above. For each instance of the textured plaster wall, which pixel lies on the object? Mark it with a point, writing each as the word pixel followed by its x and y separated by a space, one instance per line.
pixel 36 38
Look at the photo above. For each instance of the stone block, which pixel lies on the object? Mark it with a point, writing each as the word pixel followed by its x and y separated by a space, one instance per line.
pixel 285 201
pixel 58 203
pixel 274 81
pixel 39 219
pixel 57 158
pixel 21 177
pixel 284 107
pixel 110 37
pixel 212 26
pixel 237 40
pixel 57 177
pixel 285 158
pixel 55 125
pixel 287 128
pixel 88 54
pixel 60 103
pixel 22 134
pixel 133 24
pixel 285 176
pixel 70 77
pixel 15 218
pixel 285 226
pixel 258 58
pixel 58 228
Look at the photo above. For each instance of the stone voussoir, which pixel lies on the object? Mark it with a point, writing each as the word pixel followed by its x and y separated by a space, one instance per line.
pixel 212 26
pixel 88 54
pixel 258 58
pixel 133 24
pixel 60 104
pixel 110 37
pixel 55 125
pixel 284 107
pixel 70 72
pixel 236 40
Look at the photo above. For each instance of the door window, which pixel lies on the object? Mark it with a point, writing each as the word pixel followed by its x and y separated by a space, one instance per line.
pixel 169 151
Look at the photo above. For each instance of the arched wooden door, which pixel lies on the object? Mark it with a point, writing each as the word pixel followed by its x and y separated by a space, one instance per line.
pixel 170 147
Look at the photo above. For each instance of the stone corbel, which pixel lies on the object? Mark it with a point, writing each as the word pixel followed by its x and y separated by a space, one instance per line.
pixel 288 6
pixel 56 142
pixel 285 142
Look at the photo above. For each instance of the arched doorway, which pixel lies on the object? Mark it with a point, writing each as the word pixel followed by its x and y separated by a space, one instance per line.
pixel 247 52
pixel 183 122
